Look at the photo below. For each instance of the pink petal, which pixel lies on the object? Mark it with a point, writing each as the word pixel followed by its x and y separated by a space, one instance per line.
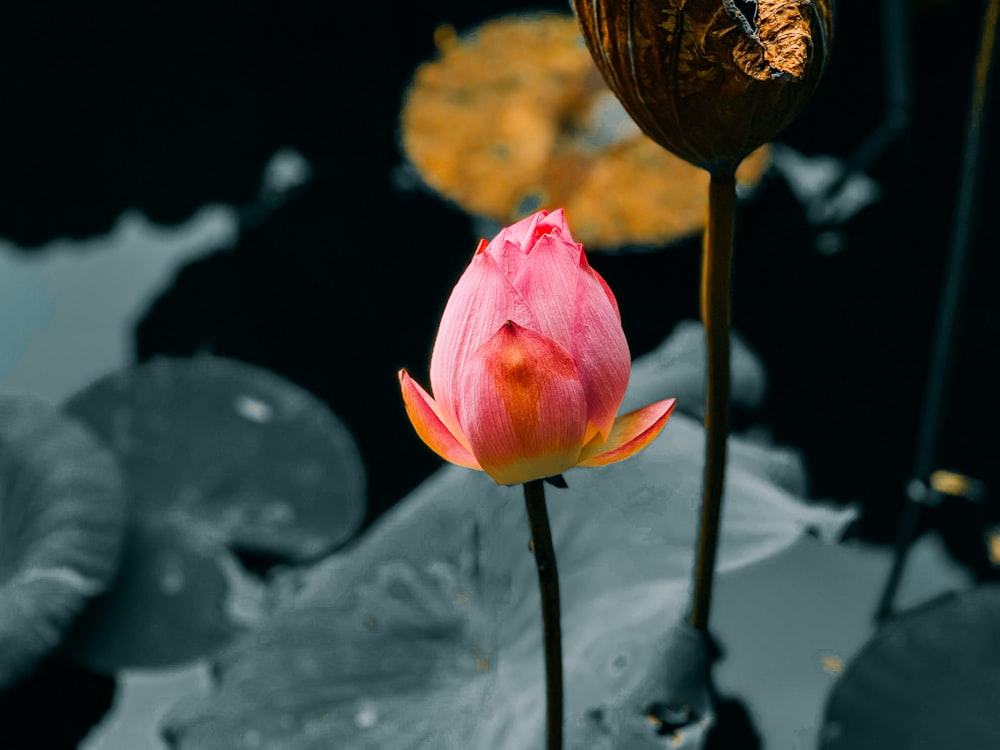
pixel 547 281
pixel 630 434
pixel 522 233
pixel 526 232
pixel 426 420
pixel 604 285
pixel 481 302
pixel 515 243
pixel 555 223
pixel 522 406
pixel 600 350
pixel 509 258
pixel 511 246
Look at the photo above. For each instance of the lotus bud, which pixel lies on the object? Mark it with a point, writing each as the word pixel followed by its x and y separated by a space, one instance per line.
pixel 530 363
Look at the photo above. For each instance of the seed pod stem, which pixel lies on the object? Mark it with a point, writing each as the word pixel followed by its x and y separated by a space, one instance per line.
pixel 715 315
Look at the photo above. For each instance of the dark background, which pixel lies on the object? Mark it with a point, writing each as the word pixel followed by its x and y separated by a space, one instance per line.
pixel 164 108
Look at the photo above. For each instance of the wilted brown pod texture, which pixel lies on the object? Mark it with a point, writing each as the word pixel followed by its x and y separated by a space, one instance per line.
pixel 710 80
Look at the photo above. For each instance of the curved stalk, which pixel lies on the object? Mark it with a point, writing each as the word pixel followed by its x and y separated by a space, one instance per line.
pixel 715 314
pixel 548 585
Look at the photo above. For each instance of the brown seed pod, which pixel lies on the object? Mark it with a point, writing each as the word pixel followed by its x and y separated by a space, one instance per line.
pixel 709 80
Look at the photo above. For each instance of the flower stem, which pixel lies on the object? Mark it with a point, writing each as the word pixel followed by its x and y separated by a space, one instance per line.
pixel 548 584
pixel 715 314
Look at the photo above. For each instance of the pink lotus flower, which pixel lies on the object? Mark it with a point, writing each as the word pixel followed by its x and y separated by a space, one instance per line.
pixel 530 364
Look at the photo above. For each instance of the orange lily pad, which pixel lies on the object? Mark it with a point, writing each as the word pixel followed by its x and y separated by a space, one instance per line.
pixel 514 116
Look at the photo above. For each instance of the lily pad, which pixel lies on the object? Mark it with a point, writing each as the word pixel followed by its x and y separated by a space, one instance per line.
pixel 678 365
pixel 928 679
pixel 426 633
pixel 62 521
pixel 220 457
pixel 514 116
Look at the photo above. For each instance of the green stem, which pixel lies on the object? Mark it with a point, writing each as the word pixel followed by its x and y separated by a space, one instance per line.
pixel 548 585
pixel 715 314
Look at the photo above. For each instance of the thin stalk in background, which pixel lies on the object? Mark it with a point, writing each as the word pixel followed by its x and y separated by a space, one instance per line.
pixel 950 307
pixel 715 315
pixel 548 585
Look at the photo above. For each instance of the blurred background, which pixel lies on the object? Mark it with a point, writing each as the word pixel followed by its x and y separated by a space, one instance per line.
pixel 263 139
pixel 113 110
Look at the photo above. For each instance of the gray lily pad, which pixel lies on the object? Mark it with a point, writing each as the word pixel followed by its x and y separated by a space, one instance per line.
pixel 679 364
pixel 426 633
pixel 62 521
pixel 171 603
pixel 928 679
pixel 232 451
pixel 220 457
pixel 673 705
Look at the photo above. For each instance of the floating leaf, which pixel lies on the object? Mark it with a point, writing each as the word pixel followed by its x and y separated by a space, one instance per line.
pixel 69 308
pixel 219 457
pixel 676 368
pixel 169 604
pixel 928 678
pixel 426 633
pixel 513 116
pixel 672 705
pixel 62 520
pixel 229 450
